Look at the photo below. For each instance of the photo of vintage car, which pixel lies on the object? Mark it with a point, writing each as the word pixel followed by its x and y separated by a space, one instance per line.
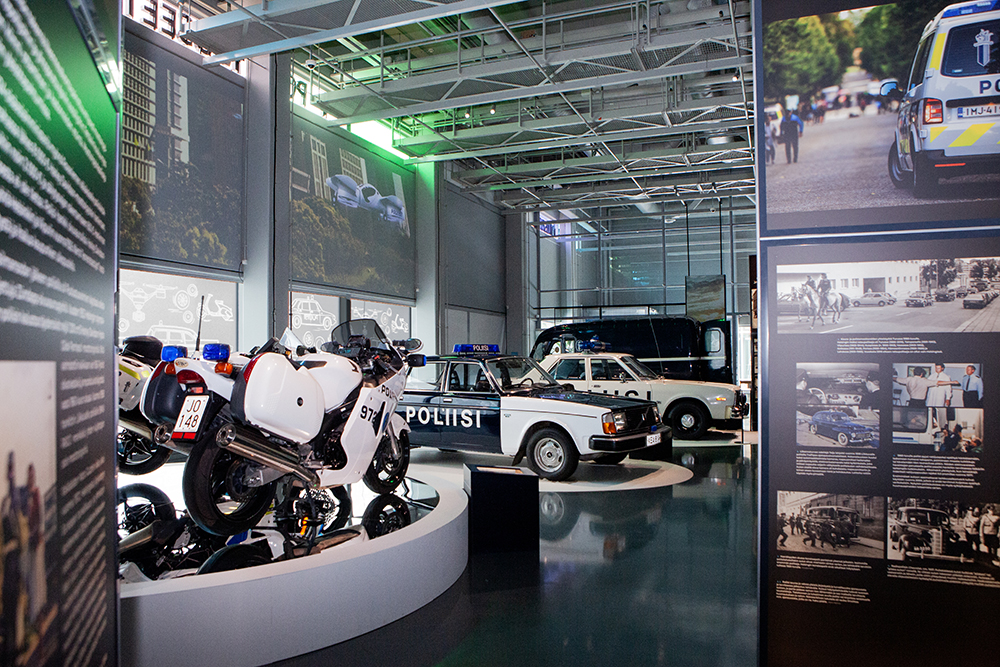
pixel 919 300
pixel 837 426
pixel 839 523
pixel 879 299
pixel 922 532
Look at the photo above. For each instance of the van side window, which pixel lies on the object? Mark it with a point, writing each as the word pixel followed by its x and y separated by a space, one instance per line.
pixel 713 341
pixel 920 63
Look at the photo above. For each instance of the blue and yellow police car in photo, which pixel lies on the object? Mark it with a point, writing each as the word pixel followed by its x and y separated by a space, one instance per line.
pixel 482 401
pixel 949 109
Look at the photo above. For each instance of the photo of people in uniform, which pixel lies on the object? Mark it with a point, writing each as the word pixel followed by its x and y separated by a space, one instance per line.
pixel 831 523
pixel 837 405
pixel 938 406
pixel 944 530
pixel 954 295
pixel 27 517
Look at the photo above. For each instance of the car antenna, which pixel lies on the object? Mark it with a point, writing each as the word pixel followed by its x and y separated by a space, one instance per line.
pixel 201 315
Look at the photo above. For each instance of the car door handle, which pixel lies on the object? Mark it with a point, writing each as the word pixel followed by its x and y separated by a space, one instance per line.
pixel 446 400
pixel 596 386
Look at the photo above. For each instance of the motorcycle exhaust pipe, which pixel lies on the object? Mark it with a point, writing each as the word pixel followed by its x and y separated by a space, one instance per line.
pixel 248 444
pixel 162 438
pixel 140 429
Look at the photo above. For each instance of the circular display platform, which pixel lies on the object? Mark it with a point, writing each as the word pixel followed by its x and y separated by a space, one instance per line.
pixel 271 612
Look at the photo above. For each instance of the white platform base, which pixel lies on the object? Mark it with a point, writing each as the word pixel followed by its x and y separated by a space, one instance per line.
pixel 273 612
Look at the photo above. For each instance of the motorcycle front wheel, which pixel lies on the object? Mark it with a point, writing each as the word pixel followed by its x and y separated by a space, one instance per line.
pixel 387 471
pixel 138 455
pixel 214 491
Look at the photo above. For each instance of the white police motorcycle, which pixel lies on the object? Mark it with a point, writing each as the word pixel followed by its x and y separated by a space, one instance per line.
pixel 295 420
pixel 138 453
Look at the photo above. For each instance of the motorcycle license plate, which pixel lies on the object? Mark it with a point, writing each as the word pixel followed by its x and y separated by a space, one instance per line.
pixel 653 439
pixel 190 418
pixel 979 111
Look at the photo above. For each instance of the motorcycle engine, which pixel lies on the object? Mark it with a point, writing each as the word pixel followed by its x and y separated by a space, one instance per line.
pixel 331 452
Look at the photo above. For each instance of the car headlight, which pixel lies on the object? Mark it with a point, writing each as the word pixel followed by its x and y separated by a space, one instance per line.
pixel 612 422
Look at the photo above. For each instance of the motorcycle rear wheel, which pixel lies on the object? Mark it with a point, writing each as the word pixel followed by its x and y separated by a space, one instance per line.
pixel 214 492
pixel 387 471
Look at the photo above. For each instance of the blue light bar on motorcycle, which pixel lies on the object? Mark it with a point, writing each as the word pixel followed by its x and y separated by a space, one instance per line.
pixel 970 8
pixel 170 353
pixel 476 348
pixel 215 352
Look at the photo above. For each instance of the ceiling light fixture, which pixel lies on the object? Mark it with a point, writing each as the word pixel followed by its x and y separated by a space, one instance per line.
pixel 736 75
pixel 493 109
pixel 467 114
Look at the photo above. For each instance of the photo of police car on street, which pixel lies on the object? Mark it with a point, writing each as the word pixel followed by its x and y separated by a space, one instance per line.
pixel 837 405
pixel 884 114
pixel 923 529
pixel 479 400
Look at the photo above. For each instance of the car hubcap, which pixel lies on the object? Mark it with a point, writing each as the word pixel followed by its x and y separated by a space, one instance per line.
pixel 549 455
pixel 687 421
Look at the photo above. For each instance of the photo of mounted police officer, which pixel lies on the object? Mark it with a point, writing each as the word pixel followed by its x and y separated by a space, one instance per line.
pixel 886 113
pixel 831 523
pixel 837 405
pixel 894 296
pixel 944 530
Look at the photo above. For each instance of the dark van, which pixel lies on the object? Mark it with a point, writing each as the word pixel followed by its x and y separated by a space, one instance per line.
pixel 677 347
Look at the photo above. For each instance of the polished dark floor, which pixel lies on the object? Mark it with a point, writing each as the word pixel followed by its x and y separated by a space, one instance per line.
pixel 648 577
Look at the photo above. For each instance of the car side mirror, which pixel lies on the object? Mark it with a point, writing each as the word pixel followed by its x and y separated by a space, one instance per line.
pixel 416 360
pixel 568 387
pixel 890 90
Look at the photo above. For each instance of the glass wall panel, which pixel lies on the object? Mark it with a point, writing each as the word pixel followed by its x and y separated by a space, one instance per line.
pixel 171 307
pixel 313 316
pixel 393 318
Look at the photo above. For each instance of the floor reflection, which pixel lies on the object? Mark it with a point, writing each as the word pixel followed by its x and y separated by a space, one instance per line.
pixel 662 576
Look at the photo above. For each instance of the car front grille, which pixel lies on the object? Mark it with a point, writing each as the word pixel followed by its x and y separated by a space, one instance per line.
pixel 639 419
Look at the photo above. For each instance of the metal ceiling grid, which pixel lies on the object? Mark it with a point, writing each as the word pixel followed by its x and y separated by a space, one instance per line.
pixel 543 103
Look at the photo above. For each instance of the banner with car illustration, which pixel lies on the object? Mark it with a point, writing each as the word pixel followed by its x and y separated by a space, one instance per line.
pixel 351 215
pixel 879 222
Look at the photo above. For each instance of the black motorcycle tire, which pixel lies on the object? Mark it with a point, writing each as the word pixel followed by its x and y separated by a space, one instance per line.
pixel 385 514
pixel 138 515
pixel 132 446
pixel 205 483
pixel 237 557
pixel 387 472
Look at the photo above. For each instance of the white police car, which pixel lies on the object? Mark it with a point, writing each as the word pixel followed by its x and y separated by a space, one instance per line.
pixel 690 407
pixel 950 108
pixel 479 400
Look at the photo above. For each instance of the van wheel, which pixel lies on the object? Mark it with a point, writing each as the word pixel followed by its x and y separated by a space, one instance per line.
pixel 901 179
pixel 689 420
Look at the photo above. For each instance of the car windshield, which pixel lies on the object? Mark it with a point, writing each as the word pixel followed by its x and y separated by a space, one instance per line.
pixel 519 373
pixel 926 517
pixel 637 367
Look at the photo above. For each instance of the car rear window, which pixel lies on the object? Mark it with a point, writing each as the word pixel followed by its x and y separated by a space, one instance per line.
pixel 973 50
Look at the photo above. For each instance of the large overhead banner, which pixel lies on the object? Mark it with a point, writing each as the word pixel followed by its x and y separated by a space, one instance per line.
pixel 57 275
pixel 351 216
pixel 879 163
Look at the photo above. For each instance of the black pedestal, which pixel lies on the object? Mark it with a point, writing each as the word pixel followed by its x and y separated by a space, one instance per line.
pixel 503 509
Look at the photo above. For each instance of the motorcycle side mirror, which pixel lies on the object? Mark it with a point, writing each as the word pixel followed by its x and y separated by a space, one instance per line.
pixel 409 344
pixel 416 360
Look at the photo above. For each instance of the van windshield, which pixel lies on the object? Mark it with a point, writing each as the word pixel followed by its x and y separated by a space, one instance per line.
pixel 973 50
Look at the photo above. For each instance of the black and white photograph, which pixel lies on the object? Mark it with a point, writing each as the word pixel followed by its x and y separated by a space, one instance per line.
pixel 837 405
pixel 896 296
pixel 927 530
pixel 831 523
pixel 865 123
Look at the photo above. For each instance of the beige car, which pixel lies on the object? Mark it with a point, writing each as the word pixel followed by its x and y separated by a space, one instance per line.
pixel 688 407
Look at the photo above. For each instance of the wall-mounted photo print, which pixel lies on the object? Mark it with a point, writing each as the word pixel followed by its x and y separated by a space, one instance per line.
pixel 837 405
pixel 871 119
pixel 896 296
pixel 944 530
pixel 831 523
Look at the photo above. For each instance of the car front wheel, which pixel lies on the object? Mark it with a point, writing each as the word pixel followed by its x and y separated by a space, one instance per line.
pixel 552 455
pixel 842 439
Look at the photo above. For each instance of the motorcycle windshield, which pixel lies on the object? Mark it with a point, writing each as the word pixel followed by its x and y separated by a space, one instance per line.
pixel 289 340
pixel 363 334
